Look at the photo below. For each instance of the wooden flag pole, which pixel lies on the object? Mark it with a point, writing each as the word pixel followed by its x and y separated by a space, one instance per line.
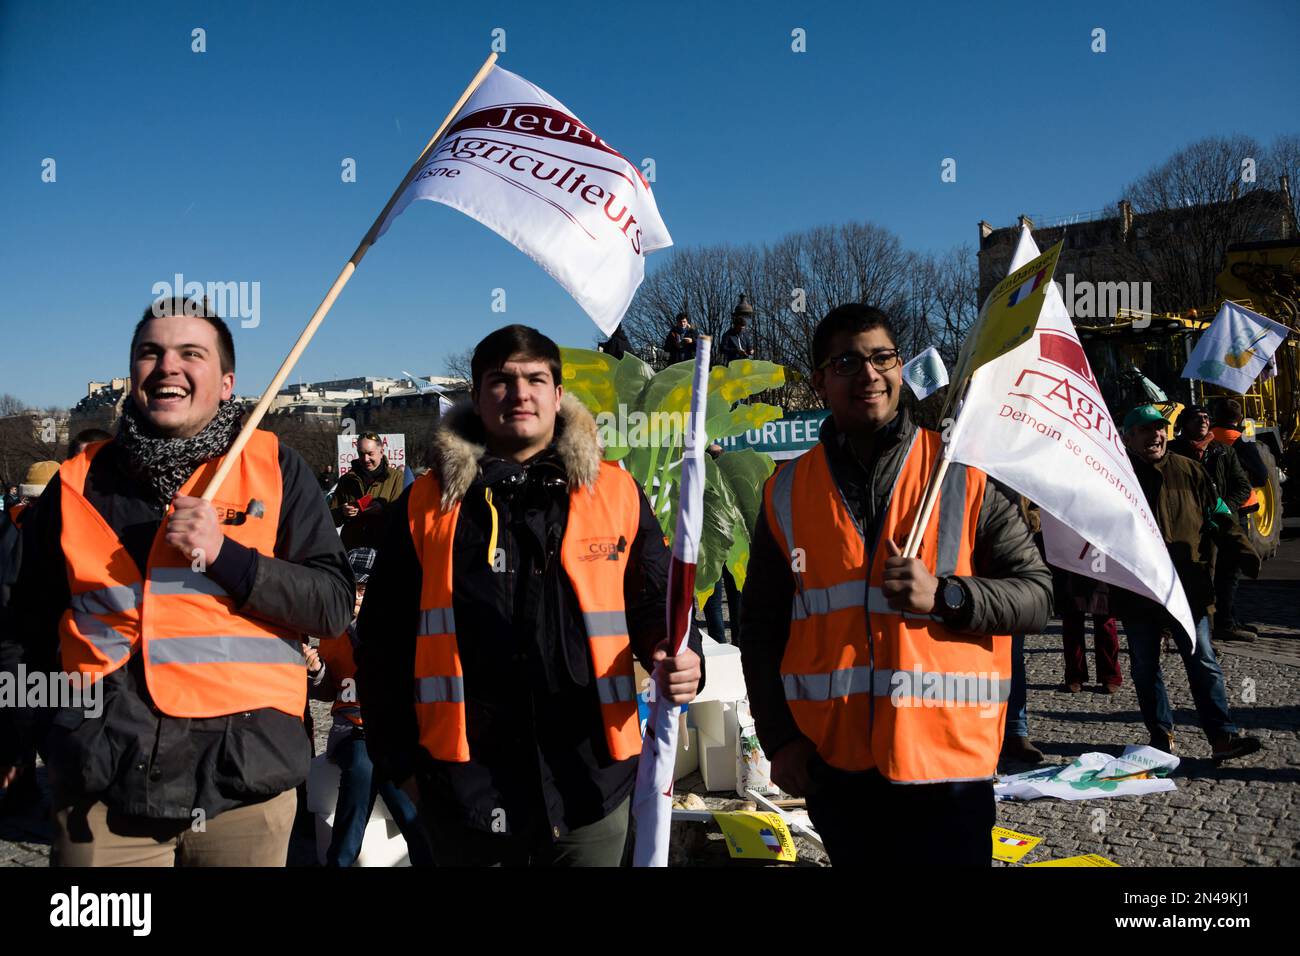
pixel 264 403
pixel 931 493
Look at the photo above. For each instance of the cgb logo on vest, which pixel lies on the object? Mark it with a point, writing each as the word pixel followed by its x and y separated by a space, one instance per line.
pixel 602 549
pixel 229 514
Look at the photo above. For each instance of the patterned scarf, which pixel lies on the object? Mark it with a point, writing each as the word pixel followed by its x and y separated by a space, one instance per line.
pixel 164 464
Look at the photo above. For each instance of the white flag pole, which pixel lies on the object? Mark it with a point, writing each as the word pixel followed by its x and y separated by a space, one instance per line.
pixel 264 403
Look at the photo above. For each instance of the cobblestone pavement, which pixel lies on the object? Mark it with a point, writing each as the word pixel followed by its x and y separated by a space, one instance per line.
pixel 1246 813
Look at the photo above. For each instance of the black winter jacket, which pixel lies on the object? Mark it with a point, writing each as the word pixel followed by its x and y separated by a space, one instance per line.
pixel 1222 465
pixel 137 759
pixel 539 763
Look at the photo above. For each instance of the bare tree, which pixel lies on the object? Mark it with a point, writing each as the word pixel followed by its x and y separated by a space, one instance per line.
pixel 11 405
pixel 1190 208
pixel 457 364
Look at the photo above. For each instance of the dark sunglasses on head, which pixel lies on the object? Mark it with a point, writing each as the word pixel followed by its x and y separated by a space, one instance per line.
pixel 850 363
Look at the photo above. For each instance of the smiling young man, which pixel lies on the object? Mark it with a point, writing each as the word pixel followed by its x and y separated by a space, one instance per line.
pixel 515 584
pixel 879 683
pixel 188 613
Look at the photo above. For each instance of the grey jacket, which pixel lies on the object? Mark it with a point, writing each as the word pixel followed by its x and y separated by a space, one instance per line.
pixel 1010 594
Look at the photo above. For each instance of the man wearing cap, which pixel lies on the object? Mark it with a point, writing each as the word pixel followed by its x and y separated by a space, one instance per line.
pixel 1196 441
pixel 1194 520
pixel 185 616
pixel 735 341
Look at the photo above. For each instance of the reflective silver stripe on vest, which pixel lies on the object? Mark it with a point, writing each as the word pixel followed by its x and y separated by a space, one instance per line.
pixel 221 649
pixel 783 502
pixel 952 516
pixel 615 690
pixel 437 620
pixel 112 643
pixel 930 687
pixel 440 690
pixel 877 603
pixel 185 580
pixel 841 683
pixel 605 623
pixel 837 597
pixel 110 600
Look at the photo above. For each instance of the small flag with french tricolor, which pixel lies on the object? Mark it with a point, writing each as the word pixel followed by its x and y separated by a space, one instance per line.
pixel 1027 287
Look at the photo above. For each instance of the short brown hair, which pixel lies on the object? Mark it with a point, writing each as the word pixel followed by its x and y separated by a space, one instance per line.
pixel 198 308
pixel 513 341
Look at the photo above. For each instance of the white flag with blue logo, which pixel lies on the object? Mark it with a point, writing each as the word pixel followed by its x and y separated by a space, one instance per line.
pixel 1234 350
pixel 925 374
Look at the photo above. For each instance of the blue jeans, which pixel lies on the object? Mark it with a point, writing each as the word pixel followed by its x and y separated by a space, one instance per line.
pixel 1203 674
pixel 1017 710
pixel 713 615
pixel 357 792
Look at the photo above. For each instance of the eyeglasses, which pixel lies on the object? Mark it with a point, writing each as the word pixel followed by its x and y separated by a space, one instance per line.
pixel 850 363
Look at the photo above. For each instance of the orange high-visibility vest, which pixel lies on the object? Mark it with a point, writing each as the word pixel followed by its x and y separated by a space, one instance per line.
pixel 868 685
pixel 598 517
pixel 1229 436
pixel 202 658
pixel 336 653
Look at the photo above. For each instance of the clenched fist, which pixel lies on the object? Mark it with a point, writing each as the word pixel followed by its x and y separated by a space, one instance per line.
pixel 192 525
pixel 908 584
pixel 679 677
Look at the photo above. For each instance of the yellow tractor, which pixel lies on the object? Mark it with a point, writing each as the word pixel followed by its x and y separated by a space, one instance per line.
pixel 1140 357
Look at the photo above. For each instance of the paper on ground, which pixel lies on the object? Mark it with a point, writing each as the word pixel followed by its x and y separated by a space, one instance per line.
pixel 1138 770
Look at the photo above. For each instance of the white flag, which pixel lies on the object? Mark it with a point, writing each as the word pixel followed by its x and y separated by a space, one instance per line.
pixel 652 799
pixel 517 160
pixel 1234 350
pixel 925 374
pixel 1035 420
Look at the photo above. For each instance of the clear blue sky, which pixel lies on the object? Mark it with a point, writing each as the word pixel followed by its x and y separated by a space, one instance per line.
pixel 225 165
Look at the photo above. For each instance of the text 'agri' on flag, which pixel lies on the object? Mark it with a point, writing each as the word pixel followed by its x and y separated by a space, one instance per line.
pixel 518 160
pixel 1035 420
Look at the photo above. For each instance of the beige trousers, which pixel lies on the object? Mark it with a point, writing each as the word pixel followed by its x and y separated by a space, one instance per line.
pixel 257 834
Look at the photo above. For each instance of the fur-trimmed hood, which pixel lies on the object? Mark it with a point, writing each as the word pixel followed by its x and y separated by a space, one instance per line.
pixel 459 444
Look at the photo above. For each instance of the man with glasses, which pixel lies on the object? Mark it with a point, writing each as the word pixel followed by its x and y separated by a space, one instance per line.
pixel 868 671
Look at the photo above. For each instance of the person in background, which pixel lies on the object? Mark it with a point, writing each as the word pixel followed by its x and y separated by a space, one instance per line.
pixel 1016 745
pixel 1227 431
pixel 736 344
pixel 87 436
pixel 359 785
pixel 1193 520
pixel 364 494
pixel 680 341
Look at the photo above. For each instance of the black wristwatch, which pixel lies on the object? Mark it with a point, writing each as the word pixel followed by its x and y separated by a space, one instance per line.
pixel 952 600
